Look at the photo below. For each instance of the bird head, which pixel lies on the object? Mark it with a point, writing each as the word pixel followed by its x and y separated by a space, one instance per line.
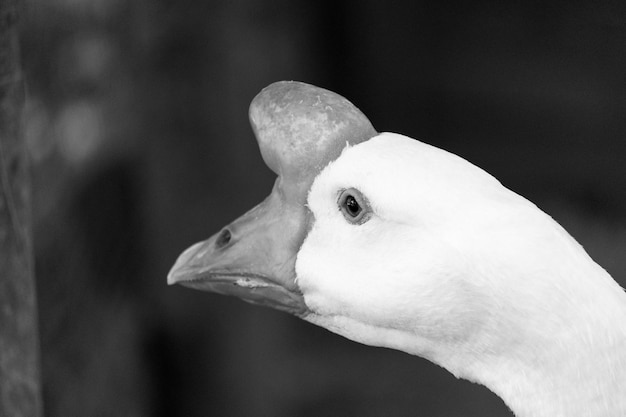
pixel 378 237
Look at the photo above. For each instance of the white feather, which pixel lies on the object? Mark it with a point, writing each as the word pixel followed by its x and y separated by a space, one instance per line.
pixel 454 267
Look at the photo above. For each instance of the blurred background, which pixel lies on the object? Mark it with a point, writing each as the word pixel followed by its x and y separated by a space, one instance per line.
pixel 137 129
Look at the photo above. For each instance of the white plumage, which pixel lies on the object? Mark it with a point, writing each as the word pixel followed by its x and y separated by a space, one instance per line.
pixel 454 267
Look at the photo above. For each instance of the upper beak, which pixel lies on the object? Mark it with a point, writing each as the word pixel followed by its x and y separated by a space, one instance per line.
pixel 253 258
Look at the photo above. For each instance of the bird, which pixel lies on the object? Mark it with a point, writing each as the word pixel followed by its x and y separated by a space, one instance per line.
pixel 392 242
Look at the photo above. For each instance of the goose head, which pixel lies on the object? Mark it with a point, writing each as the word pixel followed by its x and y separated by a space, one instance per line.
pixel 392 242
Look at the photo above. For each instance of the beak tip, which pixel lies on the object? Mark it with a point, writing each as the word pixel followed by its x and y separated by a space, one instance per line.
pixel 173 277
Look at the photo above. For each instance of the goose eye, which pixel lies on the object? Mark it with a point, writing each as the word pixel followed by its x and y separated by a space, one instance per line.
pixel 354 206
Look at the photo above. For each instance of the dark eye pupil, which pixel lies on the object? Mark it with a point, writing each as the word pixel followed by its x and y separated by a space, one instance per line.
pixel 352 206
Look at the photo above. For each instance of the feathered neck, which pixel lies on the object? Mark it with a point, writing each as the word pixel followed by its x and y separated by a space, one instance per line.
pixel 570 362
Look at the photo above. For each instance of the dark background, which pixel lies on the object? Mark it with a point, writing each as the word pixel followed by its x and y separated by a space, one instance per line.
pixel 138 133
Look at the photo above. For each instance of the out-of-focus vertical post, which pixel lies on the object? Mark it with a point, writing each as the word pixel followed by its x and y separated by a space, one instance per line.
pixel 20 393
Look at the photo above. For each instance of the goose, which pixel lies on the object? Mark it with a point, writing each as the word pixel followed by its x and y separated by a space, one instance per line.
pixel 391 242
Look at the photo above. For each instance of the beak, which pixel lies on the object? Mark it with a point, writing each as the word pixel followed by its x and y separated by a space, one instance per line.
pixel 252 258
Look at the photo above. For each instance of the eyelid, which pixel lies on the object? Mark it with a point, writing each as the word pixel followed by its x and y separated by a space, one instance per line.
pixel 366 208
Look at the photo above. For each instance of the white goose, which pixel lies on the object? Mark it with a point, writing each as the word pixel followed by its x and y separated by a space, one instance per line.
pixel 392 242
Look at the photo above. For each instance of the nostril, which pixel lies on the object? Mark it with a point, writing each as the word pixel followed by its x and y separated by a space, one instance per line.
pixel 223 239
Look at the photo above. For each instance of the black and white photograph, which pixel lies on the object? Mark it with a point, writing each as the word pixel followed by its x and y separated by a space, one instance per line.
pixel 248 208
